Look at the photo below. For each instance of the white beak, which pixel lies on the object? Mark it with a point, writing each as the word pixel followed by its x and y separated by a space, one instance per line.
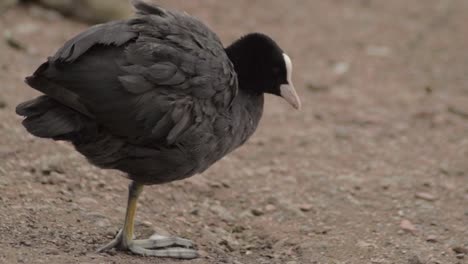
pixel 289 94
pixel 287 91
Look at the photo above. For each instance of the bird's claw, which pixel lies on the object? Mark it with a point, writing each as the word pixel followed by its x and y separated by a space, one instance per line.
pixel 156 245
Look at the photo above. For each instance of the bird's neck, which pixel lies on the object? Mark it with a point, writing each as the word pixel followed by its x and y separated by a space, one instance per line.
pixel 243 57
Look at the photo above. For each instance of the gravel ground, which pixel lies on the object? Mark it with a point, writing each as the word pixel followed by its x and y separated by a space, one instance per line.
pixel 374 169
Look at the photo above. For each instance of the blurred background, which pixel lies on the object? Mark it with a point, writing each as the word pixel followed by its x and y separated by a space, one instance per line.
pixel 374 169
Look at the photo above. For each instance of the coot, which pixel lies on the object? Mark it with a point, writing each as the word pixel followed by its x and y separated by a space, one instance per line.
pixel 158 97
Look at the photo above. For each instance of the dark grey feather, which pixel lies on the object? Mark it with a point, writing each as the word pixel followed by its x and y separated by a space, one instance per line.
pixel 36 106
pixel 179 127
pixel 152 96
pixel 112 33
pixel 135 83
pixel 144 8
pixel 47 118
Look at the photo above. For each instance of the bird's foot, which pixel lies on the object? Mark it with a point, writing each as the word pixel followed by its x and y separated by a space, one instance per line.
pixel 156 246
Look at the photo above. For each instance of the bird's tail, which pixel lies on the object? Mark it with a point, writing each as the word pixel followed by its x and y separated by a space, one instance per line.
pixel 47 118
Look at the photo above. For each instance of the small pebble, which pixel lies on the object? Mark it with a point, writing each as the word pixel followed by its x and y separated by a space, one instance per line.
pixel 53 251
pixel 306 207
pixel 216 185
pixel 13 42
pixel 87 200
pixel 270 208
pixel 238 229
pixel 103 223
pixel 415 260
pixel 313 87
pixel 431 238
pixel 195 211
pixel 111 232
pixel 460 250
pixel 257 212
pixel 222 212
pixel 146 223
pixel 407 226
pixel 226 244
pixel 377 260
pixel 378 51
pixel 26 243
pixel 203 254
pixel 425 196
pixel 112 252
pixel 342 133
pixel 5 4
pixel 363 244
pixel 341 68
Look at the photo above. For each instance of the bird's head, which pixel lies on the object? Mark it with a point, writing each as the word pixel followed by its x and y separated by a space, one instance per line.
pixel 263 67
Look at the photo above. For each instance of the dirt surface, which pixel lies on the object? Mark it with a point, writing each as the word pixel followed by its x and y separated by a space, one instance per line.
pixel 374 169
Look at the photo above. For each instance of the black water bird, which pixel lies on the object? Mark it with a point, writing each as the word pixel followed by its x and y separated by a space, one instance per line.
pixel 158 97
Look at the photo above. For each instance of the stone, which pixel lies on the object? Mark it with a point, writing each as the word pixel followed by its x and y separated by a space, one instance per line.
pixel 431 238
pixel 425 196
pixel 5 4
pixel 407 226
pixel 257 212
pixel 306 207
pixel 92 11
pixel 415 260
pixel 460 250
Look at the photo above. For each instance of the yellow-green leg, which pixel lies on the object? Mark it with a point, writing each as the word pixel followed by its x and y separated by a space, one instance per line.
pixel 158 246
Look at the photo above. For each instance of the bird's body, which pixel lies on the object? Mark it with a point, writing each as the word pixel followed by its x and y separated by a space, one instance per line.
pixel 152 107
pixel 156 96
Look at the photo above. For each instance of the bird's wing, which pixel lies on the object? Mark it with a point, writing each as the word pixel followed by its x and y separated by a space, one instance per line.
pixel 148 79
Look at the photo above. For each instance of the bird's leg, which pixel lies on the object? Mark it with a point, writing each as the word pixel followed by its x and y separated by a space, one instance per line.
pixel 158 246
pixel 125 235
pixel 134 191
